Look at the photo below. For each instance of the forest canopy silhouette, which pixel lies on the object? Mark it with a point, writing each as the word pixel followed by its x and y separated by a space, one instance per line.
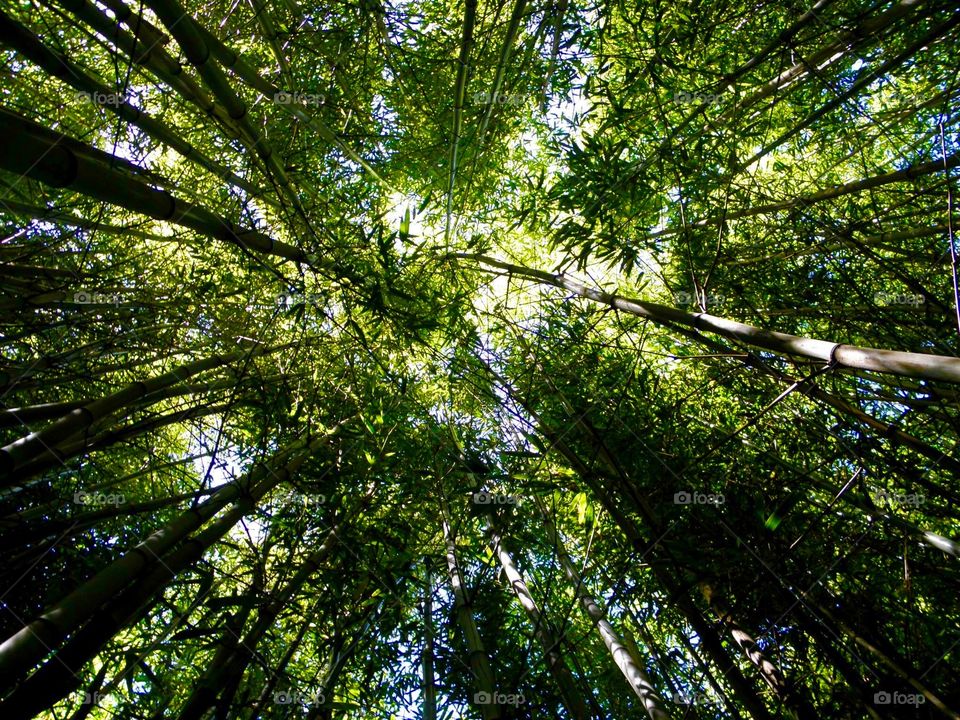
pixel 479 359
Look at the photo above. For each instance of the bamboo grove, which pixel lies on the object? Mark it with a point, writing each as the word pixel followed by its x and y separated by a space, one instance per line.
pixel 480 359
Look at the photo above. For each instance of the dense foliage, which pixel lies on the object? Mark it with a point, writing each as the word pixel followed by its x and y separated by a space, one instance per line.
pixel 384 359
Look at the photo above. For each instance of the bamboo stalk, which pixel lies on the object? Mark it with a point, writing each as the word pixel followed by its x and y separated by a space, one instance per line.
pixel 909 364
pixel 16 454
pixel 483 678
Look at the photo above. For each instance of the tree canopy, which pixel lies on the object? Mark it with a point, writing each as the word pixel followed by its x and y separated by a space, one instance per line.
pixel 393 359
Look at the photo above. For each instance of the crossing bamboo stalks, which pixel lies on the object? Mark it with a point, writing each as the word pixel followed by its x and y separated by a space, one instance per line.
pixel 151 55
pixel 483 678
pixel 64 218
pixel 633 673
pixel 59 455
pixel 566 685
pixel 887 431
pixel 805 201
pixel 770 673
pixel 917 365
pixel 59 676
pixel 883 241
pixel 25 150
pixel 269 30
pixel 710 640
pixel 26 647
pixel 185 30
pixel 235 662
pixel 242 68
pixel 16 454
pixel 882 71
pixel 844 42
pixel 58 65
pixel 506 51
